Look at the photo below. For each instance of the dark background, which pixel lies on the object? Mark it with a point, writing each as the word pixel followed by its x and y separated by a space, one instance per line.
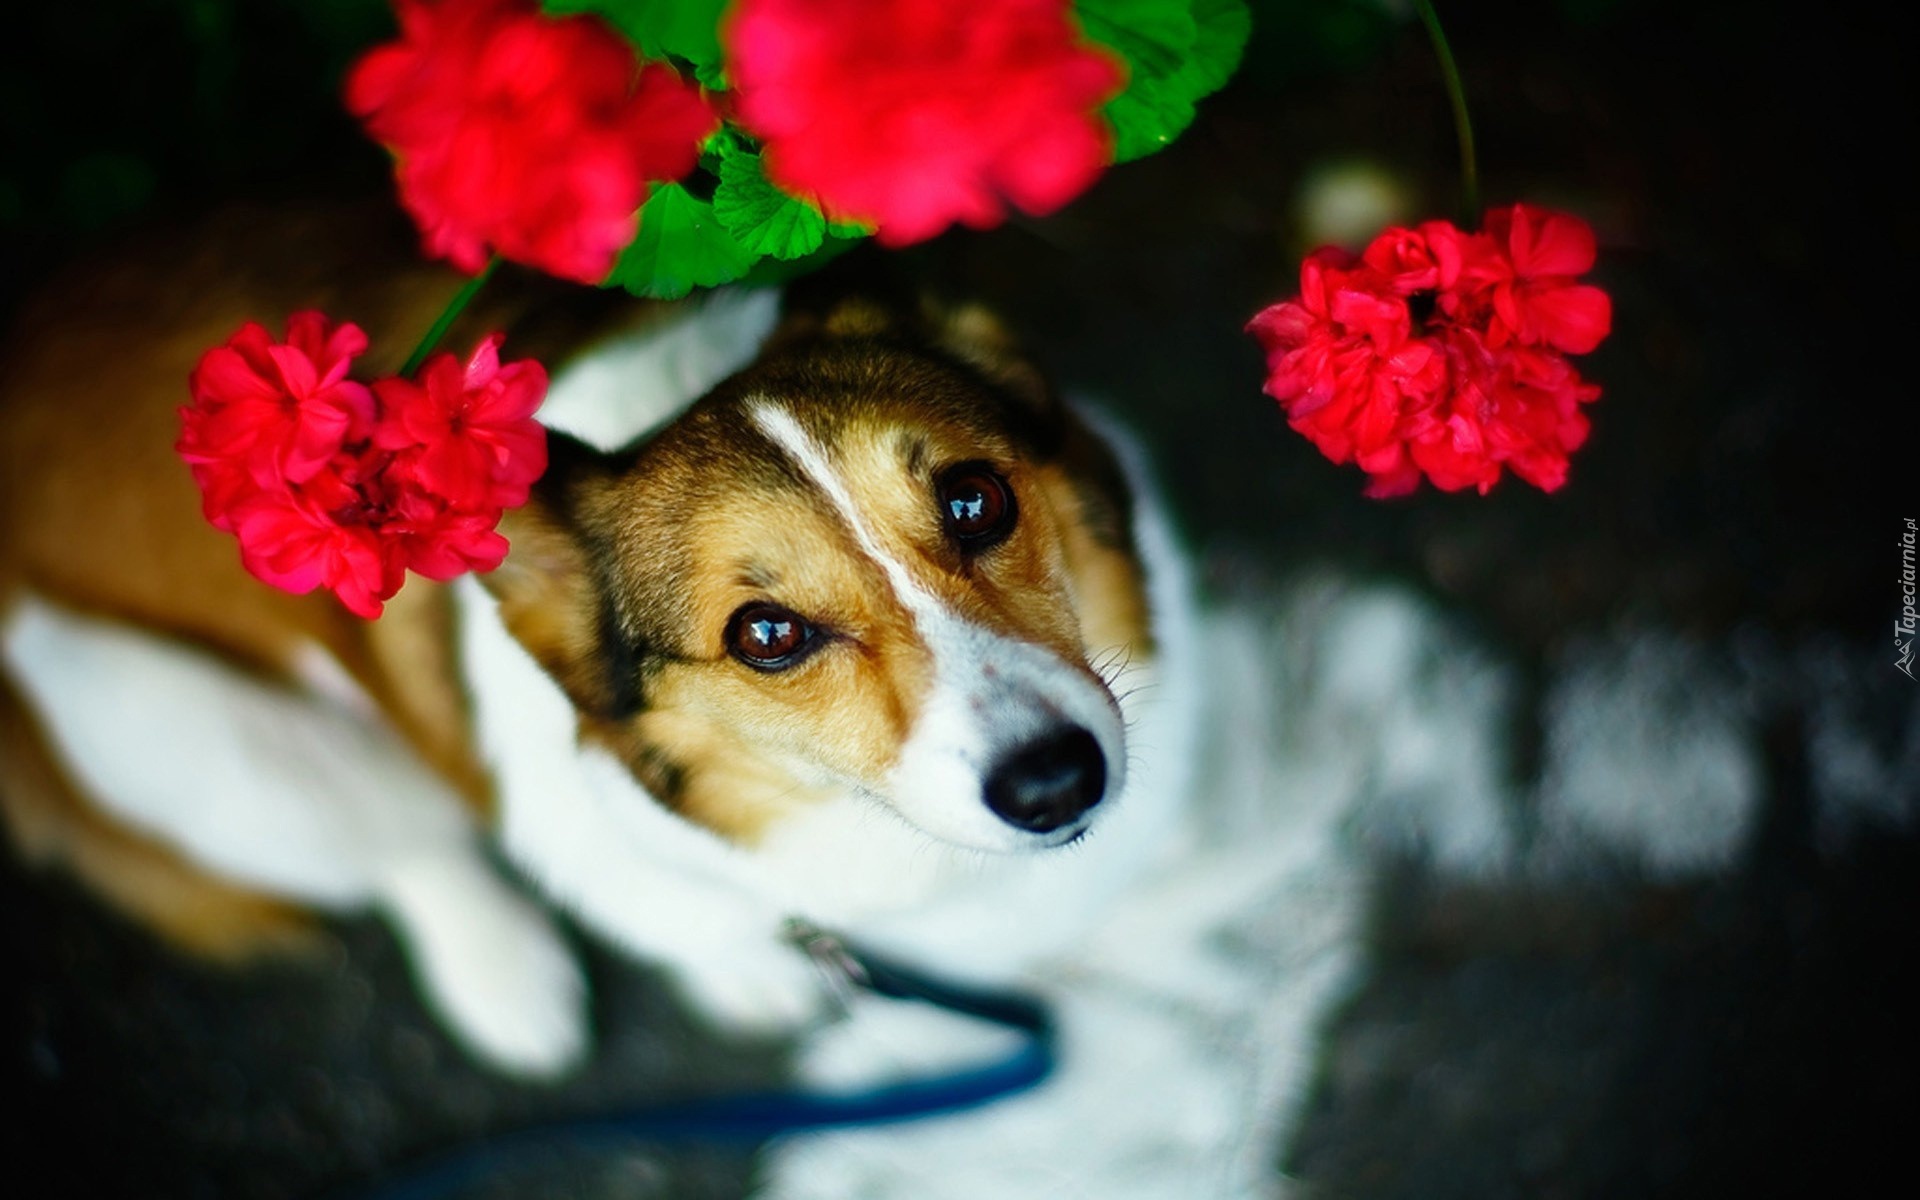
pixel 1745 484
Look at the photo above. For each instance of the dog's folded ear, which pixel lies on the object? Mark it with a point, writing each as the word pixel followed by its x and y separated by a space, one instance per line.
pixel 861 292
pixel 863 295
pixel 975 336
pixel 550 591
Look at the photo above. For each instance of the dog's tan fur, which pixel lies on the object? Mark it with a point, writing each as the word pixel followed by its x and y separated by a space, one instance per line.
pixel 97 515
pixel 624 570
pixel 677 535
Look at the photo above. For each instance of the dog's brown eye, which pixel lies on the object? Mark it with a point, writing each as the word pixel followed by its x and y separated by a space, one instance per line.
pixel 976 505
pixel 768 637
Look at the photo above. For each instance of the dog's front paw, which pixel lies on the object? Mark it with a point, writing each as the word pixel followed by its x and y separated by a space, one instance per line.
pixel 493 967
pixel 760 991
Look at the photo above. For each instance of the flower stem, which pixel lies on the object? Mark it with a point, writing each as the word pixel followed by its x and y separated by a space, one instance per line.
pixel 1462 124
pixel 454 308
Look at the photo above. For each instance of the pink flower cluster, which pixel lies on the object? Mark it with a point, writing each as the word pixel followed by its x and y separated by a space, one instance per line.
pixel 915 114
pixel 538 137
pixel 1442 353
pixel 530 135
pixel 331 483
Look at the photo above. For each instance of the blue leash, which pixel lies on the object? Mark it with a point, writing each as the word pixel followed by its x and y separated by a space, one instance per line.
pixel 756 1116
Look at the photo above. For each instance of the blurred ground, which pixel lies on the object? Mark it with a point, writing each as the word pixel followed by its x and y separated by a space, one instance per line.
pixel 1611 1036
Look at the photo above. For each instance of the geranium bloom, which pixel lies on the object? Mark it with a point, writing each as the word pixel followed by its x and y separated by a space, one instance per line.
pixel 416 479
pixel 1442 353
pixel 911 115
pixel 284 408
pixel 526 134
pixel 326 533
pixel 1534 295
pixel 467 432
pixel 440 541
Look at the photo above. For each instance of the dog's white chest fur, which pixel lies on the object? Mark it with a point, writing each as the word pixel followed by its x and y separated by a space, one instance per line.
pixel 1191 949
pixel 576 820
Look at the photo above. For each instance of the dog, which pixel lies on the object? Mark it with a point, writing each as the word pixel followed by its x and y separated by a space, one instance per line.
pixel 831 612
pixel 828 608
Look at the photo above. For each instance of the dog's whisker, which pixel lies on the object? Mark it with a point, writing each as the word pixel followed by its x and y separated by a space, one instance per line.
pixel 1113 664
pixel 706 646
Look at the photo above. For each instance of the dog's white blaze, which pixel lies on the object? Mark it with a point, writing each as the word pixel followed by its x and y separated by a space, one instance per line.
pixel 990 695
pixel 777 423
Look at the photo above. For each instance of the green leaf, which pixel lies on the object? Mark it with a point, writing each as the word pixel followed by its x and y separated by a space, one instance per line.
pixel 687 30
pixel 681 245
pixel 765 220
pixel 771 271
pixel 1178 52
pixel 1154 36
pixel 1224 26
pixel 712 76
pixel 851 230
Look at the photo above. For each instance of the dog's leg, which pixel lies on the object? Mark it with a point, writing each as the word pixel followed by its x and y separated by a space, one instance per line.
pixel 53 824
pixel 577 822
pixel 725 953
pixel 299 797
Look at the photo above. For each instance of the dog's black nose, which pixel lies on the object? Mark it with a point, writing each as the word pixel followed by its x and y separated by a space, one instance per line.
pixel 1050 782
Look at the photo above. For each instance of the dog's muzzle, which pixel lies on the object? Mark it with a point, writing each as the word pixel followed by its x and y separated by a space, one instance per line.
pixel 1049 783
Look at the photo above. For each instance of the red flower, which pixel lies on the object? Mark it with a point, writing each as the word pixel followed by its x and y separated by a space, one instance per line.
pixel 1532 282
pixel 284 408
pixel 323 533
pixel 417 479
pixel 1344 357
pixel 468 433
pixel 914 114
pixel 442 541
pixel 1442 353
pixel 529 135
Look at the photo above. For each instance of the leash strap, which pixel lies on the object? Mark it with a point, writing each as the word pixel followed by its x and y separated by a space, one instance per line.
pixel 756 1116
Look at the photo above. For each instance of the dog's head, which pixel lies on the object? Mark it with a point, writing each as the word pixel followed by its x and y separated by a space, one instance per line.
pixel 882 559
